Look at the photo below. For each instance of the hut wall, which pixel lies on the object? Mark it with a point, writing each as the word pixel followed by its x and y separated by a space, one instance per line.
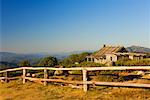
pixel 111 57
pixel 102 61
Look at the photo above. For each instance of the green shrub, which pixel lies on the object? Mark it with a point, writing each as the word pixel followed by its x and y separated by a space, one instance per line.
pixel 84 64
pixel 144 62
pixel 89 64
pixel 72 59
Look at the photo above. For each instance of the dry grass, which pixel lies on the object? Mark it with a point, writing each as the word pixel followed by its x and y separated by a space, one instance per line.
pixel 15 90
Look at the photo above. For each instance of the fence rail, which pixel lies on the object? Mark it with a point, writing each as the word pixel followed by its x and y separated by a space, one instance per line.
pixel 84 70
pixel 9 70
pixel 93 68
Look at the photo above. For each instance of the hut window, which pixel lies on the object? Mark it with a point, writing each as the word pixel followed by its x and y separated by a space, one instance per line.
pixel 93 59
pixel 89 59
pixel 111 58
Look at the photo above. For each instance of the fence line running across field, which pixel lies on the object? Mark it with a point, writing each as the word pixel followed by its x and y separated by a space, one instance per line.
pixel 84 70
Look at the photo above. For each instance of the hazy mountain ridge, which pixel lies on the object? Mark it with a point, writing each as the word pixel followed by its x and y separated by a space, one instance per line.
pixel 12 59
pixel 15 58
pixel 138 49
pixel 9 59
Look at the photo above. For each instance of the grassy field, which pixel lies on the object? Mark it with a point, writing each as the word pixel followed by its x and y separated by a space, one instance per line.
pixel 15 90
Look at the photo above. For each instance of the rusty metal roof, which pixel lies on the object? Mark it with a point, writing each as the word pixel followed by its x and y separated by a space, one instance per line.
pixel 108 50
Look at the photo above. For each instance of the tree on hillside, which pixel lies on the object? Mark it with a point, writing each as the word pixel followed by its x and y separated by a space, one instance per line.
pixel 24 63
pixel 48 61
pixel 72 59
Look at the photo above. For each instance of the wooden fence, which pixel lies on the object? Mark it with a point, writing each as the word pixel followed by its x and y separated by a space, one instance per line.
pixel 84 74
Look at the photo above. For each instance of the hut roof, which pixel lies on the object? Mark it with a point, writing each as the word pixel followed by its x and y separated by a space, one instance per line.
pixel 109 50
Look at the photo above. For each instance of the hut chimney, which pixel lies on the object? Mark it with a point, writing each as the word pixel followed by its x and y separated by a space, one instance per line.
pixel 104 45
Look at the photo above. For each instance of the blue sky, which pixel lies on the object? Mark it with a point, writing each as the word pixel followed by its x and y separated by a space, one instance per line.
pixel 31 26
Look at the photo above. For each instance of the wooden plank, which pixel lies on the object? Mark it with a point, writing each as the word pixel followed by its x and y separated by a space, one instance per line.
pixel 24 75
pixel 116 84
pixel 82 68
pixel 10 78
pixel 6 76
pixel 119 84
pixel 121 68
pixel 1 78
pixel 13 78
pixel 54 80
pixel 51 68
pixel 45 76
pixel 13 69
pixel 84 80
pixel 93 68
pixel 34 79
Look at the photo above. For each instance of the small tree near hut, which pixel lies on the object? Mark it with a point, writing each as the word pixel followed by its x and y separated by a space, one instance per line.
pixel 48 61
pixel 24 63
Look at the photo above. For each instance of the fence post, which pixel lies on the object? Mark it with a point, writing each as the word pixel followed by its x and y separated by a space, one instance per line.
pixel 45 76
pixel 24 75
pixel 6 76
pixel 84 80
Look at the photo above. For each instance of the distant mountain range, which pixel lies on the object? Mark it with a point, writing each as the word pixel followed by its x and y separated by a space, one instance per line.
pixel 138 49
pixel 9 59
pixel 15 57
pixel 12 59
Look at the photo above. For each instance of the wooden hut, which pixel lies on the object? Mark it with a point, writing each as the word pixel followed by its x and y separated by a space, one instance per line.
pixel 109 54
